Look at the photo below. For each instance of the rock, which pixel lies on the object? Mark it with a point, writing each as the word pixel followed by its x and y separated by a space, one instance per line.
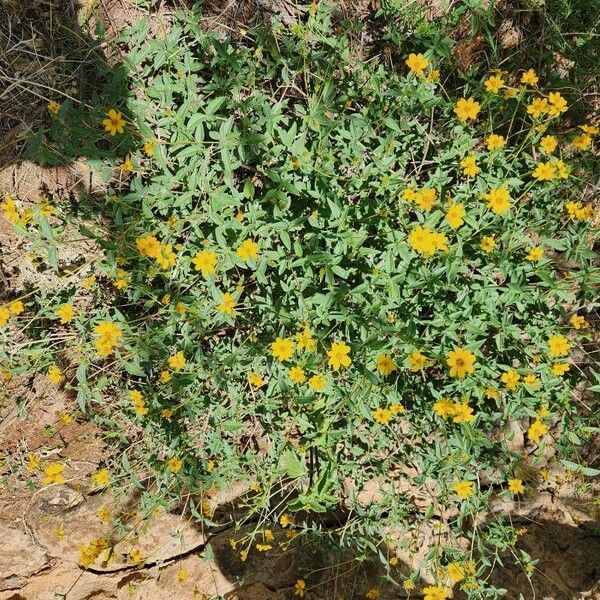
pixel 20 558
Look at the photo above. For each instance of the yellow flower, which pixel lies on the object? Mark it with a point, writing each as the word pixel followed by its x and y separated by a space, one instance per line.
pixel 562 170
pixel 205 261
pixel 444 408
pixel 560 369
pixel 88 282
pixel 297 375
pixel 578 322
pixel 305 341
pixel 433 76
pixel 385 364
pixel 65 313
pixel 537 107
pixel 544 171
pixel 426 242
pixel 493 84
pixel 531 379
pixel 372 594
pixel 101 478
pixel 536 430
pixel 16 307
pixel 54 474
pixel 55 375
pixel 136 556
pixel 299 588
pixel 228 304
pixel 515 486
pixel 33 463
pixel 556 104
pixel 180 308
pixel 126 166
pixel 282 349
pixel 487 244
pixel 149 149
pixel 461 362
pixel 256 380
pixel 463 489
pixel 456 572
pixel 467 108
pixel 498 200
pixel 510 93
pixel 317 383
pixel 535 254
pixel 53 107
pixel 510 379
pixel 583 141
pixel 558 345
pixel 382 415
pixel 164 376
pixel 425 198
pixel 285 520
pixel 148 246
pixel 416 361
pixel 417 63
pixel 548 144
pixel 491 393
pixel 396 408
pixel 462 412
pixel 338 355
pixel 114 122
pixel 529 77
pixel 263 547
pixel 108 335
pixel 4 315
pixel 408 585
pixel 454 215
pixel 67 419
pixel 177 361
pixel 174 464
pixel 248 250
pixel 495 142
pixel 434 592
pixel 139 404
pixel 469 166
pixel 166 258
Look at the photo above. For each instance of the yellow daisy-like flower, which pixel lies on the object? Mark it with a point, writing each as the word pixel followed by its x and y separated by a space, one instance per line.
pixel 299 588
pixel 510 379
pixel 101 478
pixel 227 305
pixel 55 375
pixel 494 84
pixel 338 356
pixel 536 430
pixel 54 474
pixel 297 375
pixel 248 250
pixel 578 322
pixel 544 171
pixel 206 262
pixel 382 415
pixel 467 108
pixel 16 307
pixel 317 383
pixel 108 336
pixel 454 215
pixel 114 122
pixel 305 340
pixel 461 362
pixel 537 107
pixel 149 149
pixel 174 464
pixel 417 63
pixel 535 254
pixel 559 369
pixel 558 345
pixel 434 592
pixel 282 349
pixel 53 107
pixel 256 379
pixel 515 486
pixel 416 361
pixel 385 364
pixel 487 244
pixel 548 144
pixel 463 489
pixel 529 77
pixel 469 166
pixel 556 104
pixel 498 200
pixel 583 141
pixel 66 313
pixel 495 142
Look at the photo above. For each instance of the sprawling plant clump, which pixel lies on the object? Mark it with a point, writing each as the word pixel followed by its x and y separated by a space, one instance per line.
pixel 327 273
